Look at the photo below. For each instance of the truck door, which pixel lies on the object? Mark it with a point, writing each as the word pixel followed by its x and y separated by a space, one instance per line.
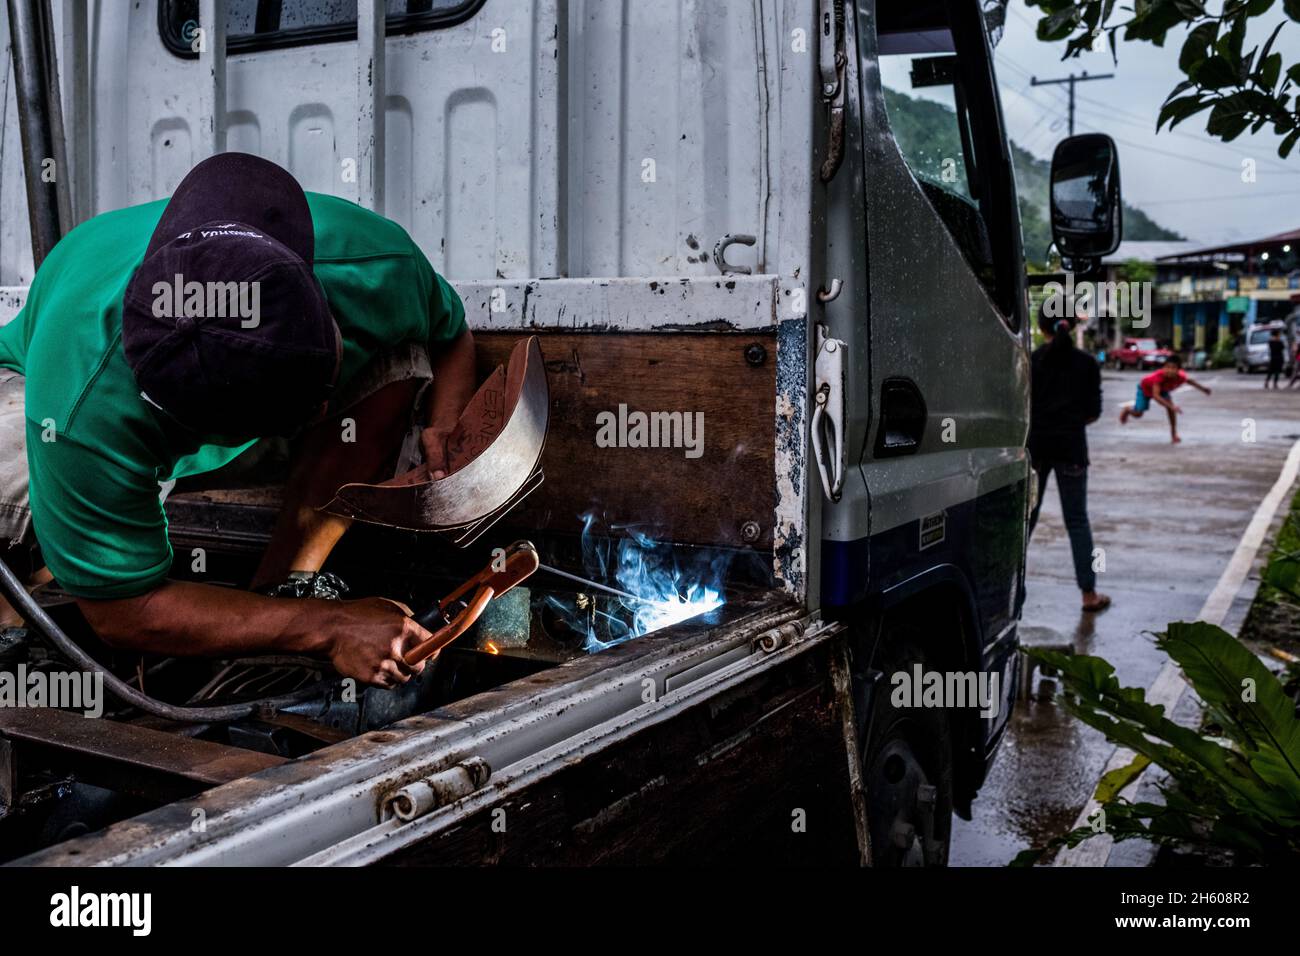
pixel 944 369
pixel 459 73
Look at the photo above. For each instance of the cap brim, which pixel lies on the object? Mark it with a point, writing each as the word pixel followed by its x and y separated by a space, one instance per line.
pixel 245 189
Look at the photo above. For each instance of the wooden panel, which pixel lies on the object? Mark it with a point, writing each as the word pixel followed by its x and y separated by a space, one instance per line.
pixel 663 492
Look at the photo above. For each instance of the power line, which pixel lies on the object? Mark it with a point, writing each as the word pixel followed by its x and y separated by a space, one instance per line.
pixel 1201 199
pixel 1184 158
pixel 1144 122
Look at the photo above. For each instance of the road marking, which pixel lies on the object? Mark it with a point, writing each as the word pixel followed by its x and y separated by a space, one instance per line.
pixel 1167 689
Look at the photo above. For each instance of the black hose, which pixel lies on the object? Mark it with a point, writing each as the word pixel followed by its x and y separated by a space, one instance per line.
pixel 44 625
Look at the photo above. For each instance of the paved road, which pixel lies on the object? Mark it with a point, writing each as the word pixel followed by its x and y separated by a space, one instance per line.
pixel 1169 517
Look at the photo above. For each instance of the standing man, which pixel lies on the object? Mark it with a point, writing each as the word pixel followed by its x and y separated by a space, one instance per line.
pixel 1065 398
pixel 167 340
pixel 1276 358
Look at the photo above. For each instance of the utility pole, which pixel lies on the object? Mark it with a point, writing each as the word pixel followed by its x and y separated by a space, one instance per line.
pixel 1071 80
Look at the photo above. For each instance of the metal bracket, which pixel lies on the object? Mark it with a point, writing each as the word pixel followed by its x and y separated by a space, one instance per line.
pixel 723 245
pixel 831 294
pixel 828 413
pixel 720 249
pixel 832 63
pixel 826 47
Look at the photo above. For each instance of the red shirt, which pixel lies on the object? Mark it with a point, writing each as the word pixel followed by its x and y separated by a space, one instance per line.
pixel 1167 382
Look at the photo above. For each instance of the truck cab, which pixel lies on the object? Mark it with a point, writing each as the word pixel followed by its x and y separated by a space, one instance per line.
pixel 796 218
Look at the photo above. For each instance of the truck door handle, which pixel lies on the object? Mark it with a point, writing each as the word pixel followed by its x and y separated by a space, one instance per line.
pixel 902 418
pixel 828 414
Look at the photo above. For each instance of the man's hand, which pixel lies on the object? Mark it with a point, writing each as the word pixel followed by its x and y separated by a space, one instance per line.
pixel 434 442
pixel 364 640
pixel 367 640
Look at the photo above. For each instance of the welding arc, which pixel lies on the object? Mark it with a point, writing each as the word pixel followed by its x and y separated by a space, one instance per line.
pixel 592 584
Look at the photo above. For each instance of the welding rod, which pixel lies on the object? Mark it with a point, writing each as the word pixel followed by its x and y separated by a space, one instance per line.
pixel 592 584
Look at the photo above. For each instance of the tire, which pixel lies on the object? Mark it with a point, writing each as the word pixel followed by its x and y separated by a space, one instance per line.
pixel 908 773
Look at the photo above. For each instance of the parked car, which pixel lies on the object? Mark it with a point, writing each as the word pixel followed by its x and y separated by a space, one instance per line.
pixel 1251 353
pixel 1140 354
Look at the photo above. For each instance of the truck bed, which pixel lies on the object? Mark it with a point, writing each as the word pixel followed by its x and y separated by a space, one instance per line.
pixel 334 807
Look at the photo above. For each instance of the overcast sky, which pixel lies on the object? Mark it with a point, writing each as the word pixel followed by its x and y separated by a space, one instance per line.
pixel 1185 180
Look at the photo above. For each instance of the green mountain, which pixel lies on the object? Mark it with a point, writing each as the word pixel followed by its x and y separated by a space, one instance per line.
pixel 928 137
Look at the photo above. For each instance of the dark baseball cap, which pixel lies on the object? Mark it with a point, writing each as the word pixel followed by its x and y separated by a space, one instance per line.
pixel 225 325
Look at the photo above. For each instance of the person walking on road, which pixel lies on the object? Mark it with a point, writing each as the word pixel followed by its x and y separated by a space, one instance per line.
pixel 1276 358
pixel 1065 387
pixel 1156 387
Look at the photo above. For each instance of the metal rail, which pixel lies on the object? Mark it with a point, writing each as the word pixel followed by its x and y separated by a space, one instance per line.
pixel 212 65
pixel 40 121
pixel 370 104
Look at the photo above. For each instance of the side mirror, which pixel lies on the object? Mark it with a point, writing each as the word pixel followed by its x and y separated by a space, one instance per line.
pixel 1085 199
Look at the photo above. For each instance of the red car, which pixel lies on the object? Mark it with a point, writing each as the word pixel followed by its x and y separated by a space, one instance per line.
pixel 1140 354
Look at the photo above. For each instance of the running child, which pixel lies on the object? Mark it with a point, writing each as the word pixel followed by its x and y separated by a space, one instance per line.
pixel 1155 388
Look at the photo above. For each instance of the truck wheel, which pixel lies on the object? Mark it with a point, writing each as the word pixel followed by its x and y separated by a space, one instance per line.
pixel 907 770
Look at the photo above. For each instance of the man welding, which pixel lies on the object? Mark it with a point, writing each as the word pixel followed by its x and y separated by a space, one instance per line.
pixel 169 340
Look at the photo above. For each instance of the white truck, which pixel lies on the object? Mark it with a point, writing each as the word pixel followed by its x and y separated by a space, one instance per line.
pixel 718 208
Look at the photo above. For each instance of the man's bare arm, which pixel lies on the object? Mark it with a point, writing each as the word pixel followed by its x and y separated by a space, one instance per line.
pixel 454 380
pixel 363 639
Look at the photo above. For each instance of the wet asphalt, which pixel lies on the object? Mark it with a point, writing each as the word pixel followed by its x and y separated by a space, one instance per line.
pixel 1169 517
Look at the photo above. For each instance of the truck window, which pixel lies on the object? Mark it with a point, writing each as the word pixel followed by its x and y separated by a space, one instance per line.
pixel 945 118
pixel 269 24
pixel 927 114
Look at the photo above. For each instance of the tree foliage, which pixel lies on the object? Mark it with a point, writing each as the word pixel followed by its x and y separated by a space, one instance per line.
pixel 1241 89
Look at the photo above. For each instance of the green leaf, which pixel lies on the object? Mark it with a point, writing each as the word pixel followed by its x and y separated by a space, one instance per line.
pixel 1268 44
pixel 1284 574
pixel 1215 72
pixel 1029 857
pixel 1270 68
pixel 1058 26
pixel 1219 668
pixel 1113 781
pixel 1196 46
pixel 1284 148
pixel 1292 8
pixel 1178 110
pixel 1255 7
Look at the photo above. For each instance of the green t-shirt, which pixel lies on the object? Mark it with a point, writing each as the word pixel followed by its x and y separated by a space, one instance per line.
pixel 96 451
